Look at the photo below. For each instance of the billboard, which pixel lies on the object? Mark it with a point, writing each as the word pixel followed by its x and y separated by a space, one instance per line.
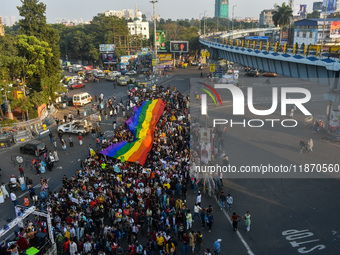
pixel 179 46
pixel 165 57
pixel 331 8
pixel 108 48
pixel 335 29
pixel 317 6
pixel 161 40
pixel 109 58
pixel 303 10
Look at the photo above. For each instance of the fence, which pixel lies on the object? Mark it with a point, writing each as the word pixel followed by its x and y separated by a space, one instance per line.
pixel 26 130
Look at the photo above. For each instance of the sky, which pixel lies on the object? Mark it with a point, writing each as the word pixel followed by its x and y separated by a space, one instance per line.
pixel 174 9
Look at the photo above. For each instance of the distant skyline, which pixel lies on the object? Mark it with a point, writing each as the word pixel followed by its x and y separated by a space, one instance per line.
pixel 174 9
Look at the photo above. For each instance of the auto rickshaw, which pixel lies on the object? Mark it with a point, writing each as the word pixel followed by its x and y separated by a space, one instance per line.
pixel 81 74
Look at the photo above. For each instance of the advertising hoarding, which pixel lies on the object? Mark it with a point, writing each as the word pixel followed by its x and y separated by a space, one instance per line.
pixel 108 48
pixel 179 46
pixel 331 8
pixel 335 29
pixel 165 57
pixel 109 58
pixel 317 6
pixel 303 10
pixel 161 40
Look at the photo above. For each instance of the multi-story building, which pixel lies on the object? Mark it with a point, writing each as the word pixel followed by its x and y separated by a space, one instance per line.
pixel 313 31
pixel 266 18
pixel 222 9
pixel 139 27
pixel 126 13
pixel 2 30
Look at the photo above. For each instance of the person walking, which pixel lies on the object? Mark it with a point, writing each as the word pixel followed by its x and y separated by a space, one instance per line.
pixel 217 246
pixel 189 220
pixel 4 191
pixel 21 171
pixel 199 198
pixel 197 210
pixel 14 198
pixel 234 219
pixel 247 220
pixel 192 242
pixel 80 138
pixel 199 240
pixel 70 139
pixel 2 200
pixel 51 136
pixel 186 241
pixel 210 220
pixel 222 200
pixel 229 202
pixel 55 154
pixel 310 144
pixel 54 142
pixel 207 252
pixel 26 201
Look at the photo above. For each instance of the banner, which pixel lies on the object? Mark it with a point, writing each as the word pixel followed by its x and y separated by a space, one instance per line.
pixel 331 8
pixel 108 48
pixel 179 46
pixel 335 30
pixel 161 40
pixel 165 57
pixel 303 10
pixel 109 58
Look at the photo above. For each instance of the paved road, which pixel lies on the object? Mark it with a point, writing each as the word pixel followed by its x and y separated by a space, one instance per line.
pixel 278 206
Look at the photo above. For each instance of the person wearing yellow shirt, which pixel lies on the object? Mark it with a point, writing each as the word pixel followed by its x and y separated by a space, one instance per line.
pixel 160 242
pixel 179 203
pixel 166 185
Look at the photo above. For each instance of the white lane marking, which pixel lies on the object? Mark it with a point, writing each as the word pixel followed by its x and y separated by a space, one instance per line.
pixel 237 232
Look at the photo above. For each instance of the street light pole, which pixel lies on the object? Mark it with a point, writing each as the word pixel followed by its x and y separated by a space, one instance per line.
pixel 232 21
pixel 323 29
pixel 204 23
pixel 200 22
pixel 154 27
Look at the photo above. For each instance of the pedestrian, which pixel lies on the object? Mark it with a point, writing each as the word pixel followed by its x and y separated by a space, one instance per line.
pixel 57 122
pixel 78 113
pixel 95 98
pixel 247 220
pixel 33 196
pixel 197 210
pixel 192 242
pixel 70 139
pixel 55 154
pixel 2 200
pixel 217 246
pixel 114 124
pixel 199 240
pixel 37 166
pixel 310 144
pixel 203 220
pixel 4 191
pixel 207 252
pixel 65 118
pixel 26 201
pixel 222 200
pixel 99 119
pixel 21 171
pixel 54 142
pixel 302 145
pixel 93 132
pixel 60 135
pixel 51 136
pixel 235 219
pixel 63 145
pixel 189 220
pixel 210 220
pixel 14 198
pixel 186 241
pixel 199 198
pixel 80 138
pixel 229 202
pixel 70 117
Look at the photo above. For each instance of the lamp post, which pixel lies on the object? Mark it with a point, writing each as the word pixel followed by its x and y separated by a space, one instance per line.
pixel 204 23
pixel 200 16
pixel 154 27
pixel 232 21
pixel 323 29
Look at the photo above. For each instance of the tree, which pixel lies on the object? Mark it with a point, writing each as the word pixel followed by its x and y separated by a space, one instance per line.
pixel 282 16
pixel 314 15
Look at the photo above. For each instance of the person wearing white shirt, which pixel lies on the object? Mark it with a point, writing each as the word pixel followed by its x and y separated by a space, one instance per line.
pixel 14 199
pixel 73 248
pixel 229 202
pixel 197 210
pixel 199 198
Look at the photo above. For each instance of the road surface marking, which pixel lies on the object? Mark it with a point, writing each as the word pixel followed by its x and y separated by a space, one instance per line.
pixel 237 232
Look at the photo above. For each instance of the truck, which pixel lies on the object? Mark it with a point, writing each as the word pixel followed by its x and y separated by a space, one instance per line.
pixel 76 127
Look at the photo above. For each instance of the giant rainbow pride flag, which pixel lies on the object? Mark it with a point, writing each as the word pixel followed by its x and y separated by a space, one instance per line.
pixel 142 125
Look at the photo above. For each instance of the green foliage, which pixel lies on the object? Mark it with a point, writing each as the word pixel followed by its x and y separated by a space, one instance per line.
pixel 7 123
pixel 282 15
pixel 314 15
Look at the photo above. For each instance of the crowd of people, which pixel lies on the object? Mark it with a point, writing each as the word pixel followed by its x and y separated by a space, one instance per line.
pixel 109 206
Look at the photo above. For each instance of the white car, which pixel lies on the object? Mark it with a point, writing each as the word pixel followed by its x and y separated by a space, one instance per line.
pixel 75 127
pixel 131 72
pixel 115 73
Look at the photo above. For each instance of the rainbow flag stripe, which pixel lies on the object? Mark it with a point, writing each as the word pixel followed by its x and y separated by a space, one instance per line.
pixel 142 125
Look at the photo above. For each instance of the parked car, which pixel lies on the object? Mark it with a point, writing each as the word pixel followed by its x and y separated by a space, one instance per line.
pixel 123 72
pixel 35 148
pixel 270 74
pixel 76 127
pixel 253 73
pixel 122 80
pixel 131 72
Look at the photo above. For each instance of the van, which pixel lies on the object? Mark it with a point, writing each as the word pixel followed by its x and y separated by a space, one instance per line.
pixel 81 99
